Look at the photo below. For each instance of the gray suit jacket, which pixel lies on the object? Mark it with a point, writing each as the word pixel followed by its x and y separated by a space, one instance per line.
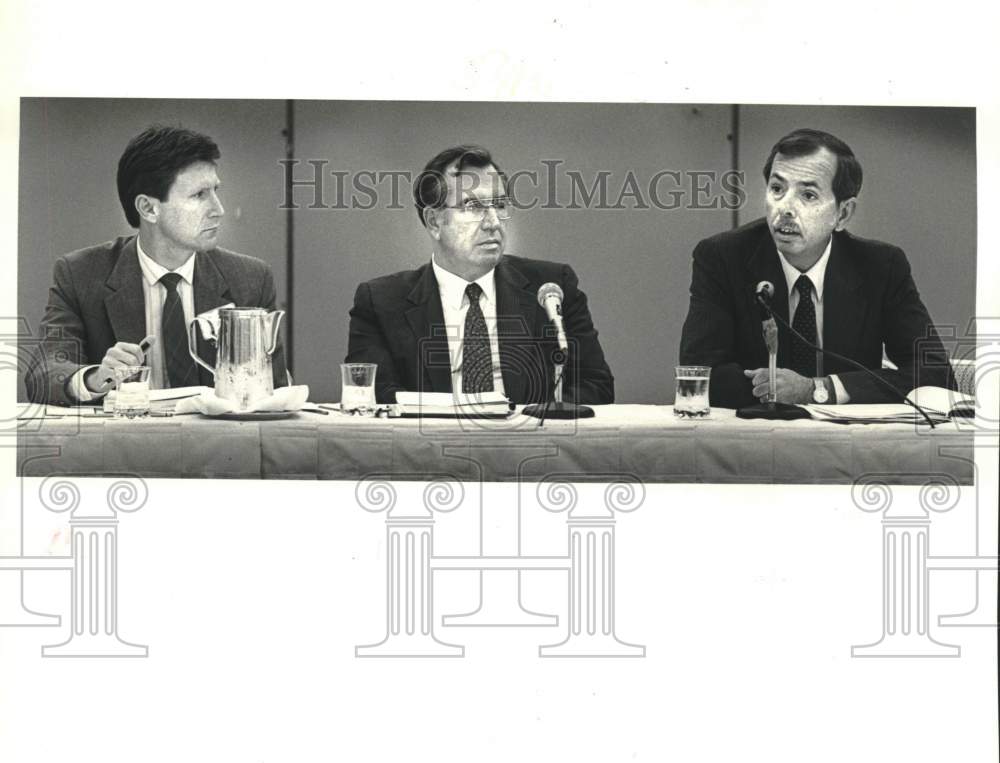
pixel 96 300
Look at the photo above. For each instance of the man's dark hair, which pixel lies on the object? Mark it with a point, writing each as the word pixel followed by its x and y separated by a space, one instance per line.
pixel 431 186
pixel 805 141
pixel 152 159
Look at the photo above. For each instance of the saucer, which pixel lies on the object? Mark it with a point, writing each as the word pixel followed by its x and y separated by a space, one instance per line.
pixel 253 415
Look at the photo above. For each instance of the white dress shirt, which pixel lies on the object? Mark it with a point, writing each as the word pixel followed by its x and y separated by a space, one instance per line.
pixel 153 294
pixel 455 305
pixel 816 274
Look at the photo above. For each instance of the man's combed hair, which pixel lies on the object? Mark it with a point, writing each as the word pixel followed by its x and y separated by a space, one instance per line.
pixel 152 159
pixel 430 189
pixel 806 141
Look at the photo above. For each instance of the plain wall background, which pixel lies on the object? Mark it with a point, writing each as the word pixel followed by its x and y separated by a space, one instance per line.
pixel 634 264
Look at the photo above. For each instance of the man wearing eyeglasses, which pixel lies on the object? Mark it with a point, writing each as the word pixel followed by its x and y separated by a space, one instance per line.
pixel 469 320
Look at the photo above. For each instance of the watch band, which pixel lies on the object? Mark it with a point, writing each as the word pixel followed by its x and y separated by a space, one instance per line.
pixel 831 389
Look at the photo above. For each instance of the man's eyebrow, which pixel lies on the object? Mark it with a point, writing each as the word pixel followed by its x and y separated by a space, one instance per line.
pixel 206 186
pixel 800 183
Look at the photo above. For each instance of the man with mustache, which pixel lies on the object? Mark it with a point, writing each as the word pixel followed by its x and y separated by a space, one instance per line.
pixel 469 320
pixel 109 299
pixel 846 294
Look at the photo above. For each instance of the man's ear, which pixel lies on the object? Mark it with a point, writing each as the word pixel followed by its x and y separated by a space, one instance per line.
pixel 845 212
pixel 147 207
pixel 432 219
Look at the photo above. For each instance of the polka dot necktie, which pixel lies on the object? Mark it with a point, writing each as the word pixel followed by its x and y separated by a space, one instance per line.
pixel 477 359
pixel 803 357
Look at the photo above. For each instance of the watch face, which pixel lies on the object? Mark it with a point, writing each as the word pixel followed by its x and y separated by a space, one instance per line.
pixel 819 394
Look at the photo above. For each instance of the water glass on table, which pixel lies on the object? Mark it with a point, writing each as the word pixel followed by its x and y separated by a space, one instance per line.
pixel 691 400
pixel 131 392
pixel 358 388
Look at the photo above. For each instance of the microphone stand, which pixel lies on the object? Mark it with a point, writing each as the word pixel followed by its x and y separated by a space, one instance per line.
pixel 832 354
pixel 770 408
pixel 904 398
pixel 554 407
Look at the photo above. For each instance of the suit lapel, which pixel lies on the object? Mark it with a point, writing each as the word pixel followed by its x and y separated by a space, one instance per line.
pixel 210 287
pixel 426 319
pixel 124 299
pixel 844 303
pixel 764 265
pixel 517 313
pixel 210 290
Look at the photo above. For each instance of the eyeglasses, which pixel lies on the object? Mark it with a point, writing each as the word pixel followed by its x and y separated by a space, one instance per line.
pixel 474 210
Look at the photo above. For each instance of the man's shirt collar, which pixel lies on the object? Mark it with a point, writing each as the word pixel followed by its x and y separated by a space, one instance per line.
pixel 452 287
pixel 817 273
pixel 153 271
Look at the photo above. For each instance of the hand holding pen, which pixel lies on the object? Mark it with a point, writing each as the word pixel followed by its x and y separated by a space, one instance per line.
pixel 100 379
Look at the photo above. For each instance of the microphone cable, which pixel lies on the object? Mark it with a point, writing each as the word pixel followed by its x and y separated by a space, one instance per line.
pixel 842 358
pixel 549 399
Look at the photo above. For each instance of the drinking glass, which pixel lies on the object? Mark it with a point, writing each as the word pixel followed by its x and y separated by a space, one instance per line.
pixel 358 388
pixel 691 400
pixel 131 392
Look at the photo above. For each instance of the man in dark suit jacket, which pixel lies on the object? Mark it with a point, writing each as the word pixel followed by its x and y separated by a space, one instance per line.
pixel 861 296
pixel 106 299
pixel 470 320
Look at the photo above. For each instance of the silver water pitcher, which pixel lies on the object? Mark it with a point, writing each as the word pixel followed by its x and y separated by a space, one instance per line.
pixel 244 338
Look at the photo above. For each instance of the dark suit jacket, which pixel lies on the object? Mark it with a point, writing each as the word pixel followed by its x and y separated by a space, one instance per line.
pixel 96 300
pixel 869 299
pixel 397 322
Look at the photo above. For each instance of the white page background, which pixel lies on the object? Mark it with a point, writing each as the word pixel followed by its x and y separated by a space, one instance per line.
pixel 252 596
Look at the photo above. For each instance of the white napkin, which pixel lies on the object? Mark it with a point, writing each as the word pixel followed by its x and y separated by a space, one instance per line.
pixel 283 399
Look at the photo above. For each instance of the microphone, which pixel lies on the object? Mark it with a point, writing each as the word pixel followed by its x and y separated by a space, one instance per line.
pixel 550 297
pixel 851 362
pixel 764 293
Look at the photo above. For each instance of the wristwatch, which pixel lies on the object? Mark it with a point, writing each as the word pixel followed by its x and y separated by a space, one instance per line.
pixel 820 395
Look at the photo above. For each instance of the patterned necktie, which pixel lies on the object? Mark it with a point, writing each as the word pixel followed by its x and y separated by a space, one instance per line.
pixel 477 359
pixel 804 358
pixel 181 371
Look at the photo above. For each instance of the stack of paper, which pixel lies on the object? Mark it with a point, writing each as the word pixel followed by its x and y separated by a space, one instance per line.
pixel 453 405
pixel 873 413
pixel 947 402
pixel 161 401
pixel 939 403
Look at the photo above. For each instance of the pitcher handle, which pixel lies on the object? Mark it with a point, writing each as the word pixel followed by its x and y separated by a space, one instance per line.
pixel 276 317
pixel 193 343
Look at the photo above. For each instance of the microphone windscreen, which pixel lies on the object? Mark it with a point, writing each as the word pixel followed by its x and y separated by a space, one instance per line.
pixel 765 289
pixel 547 290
